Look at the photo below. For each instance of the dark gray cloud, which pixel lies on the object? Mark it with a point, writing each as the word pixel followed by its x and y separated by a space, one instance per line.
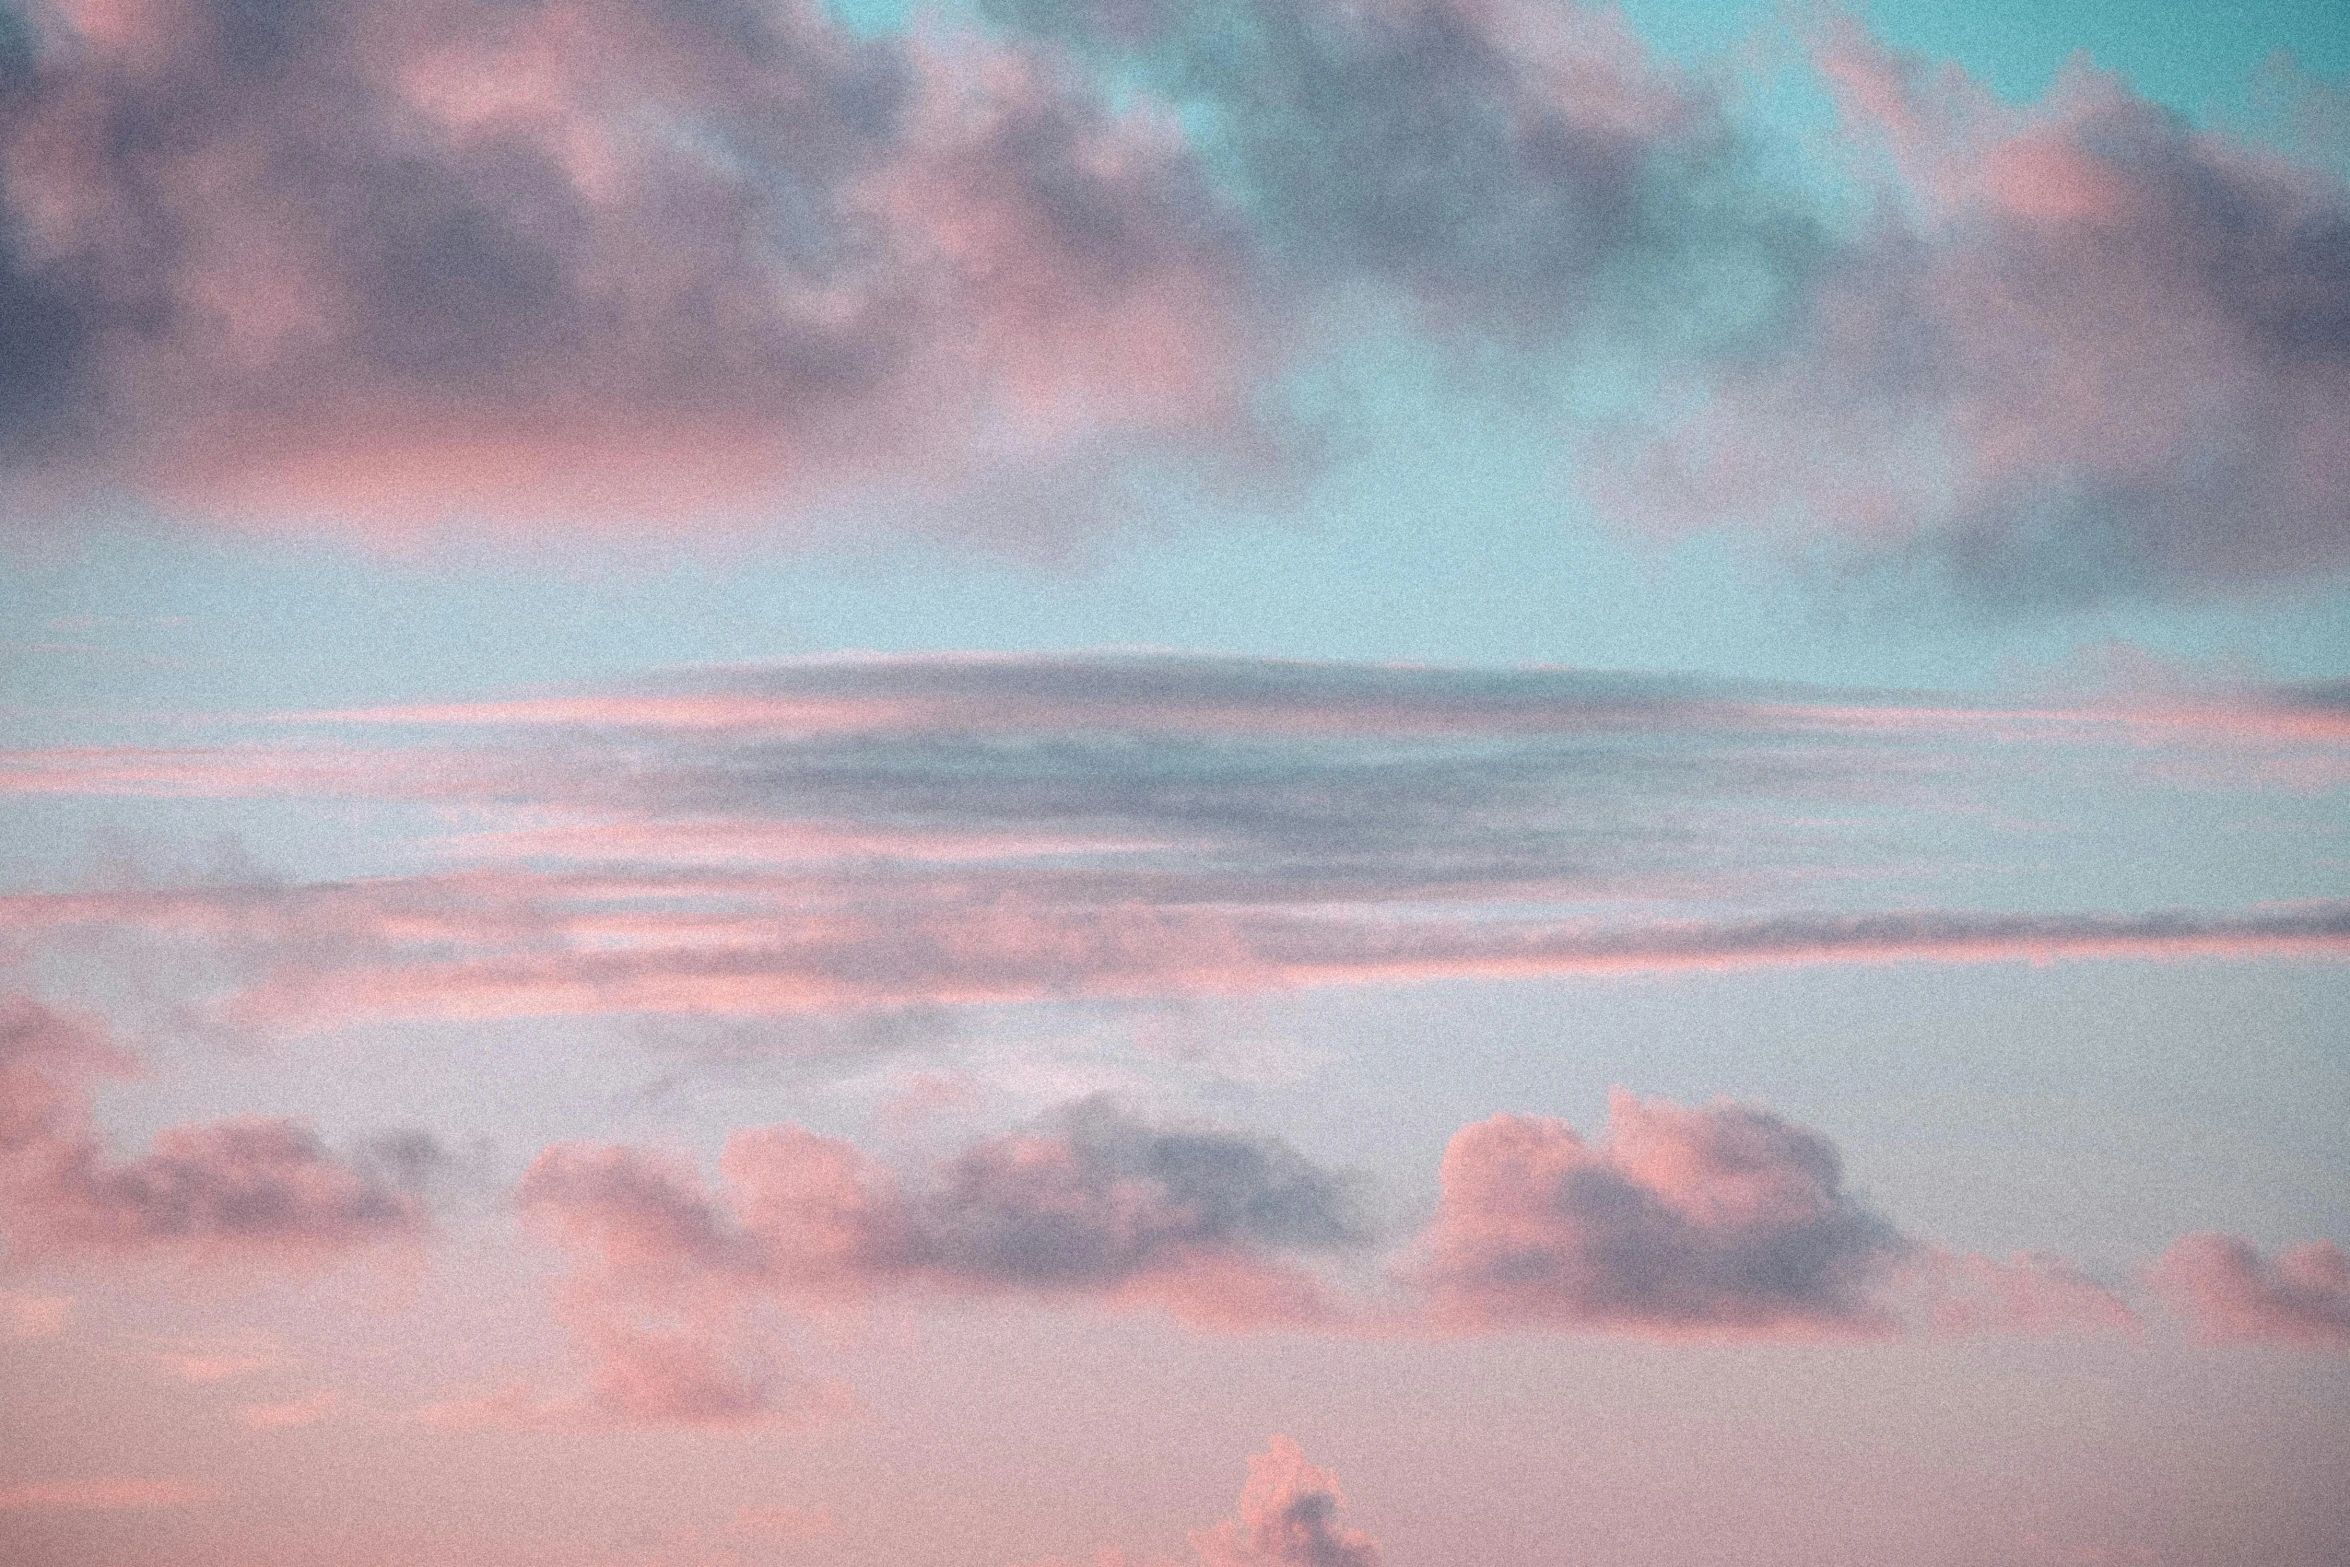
pixel 1098 1196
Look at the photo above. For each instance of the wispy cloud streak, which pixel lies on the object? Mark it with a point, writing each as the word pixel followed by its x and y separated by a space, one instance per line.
pixel 853 834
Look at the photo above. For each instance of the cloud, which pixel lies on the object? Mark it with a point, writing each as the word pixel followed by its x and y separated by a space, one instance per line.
pixel 557 263
pixel 1718 1221
pixel 2081 350
pixel 1514 171
pixel 1288 1518
pixel 2031 1292
pixel 102 1494
pixel 1093 1202
pixel 877 836
pixel 249 1186
pixel 1723 1219
pixel 2234 1295
pixel 1092 1205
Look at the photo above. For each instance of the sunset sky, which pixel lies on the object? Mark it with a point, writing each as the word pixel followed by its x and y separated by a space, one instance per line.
pixel 1127 783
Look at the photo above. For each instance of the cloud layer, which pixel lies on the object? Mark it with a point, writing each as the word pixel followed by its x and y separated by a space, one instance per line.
pixel 590 260
pixel 1213 1227
pixel 851 835
pixel 1718 1221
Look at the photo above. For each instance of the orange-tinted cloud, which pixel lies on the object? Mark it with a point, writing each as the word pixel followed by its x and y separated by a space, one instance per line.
pixel 102 1494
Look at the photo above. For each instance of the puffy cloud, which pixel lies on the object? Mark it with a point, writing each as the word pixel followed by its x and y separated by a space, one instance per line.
pixel 1095 1204
pixel 247 1186
pixel 2234 1295
pixel 580 259
pixel 2083 350
pixel 1515 170
pixel 1288 1518
pixel 1723 1219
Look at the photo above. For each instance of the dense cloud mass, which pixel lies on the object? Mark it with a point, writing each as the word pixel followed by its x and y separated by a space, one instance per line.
pixel 1516 170
pixel 574 261
pixel 565 260
pixel 247 1186
pixel 1721 1219
pixel 2083 350
pixel 2234 1295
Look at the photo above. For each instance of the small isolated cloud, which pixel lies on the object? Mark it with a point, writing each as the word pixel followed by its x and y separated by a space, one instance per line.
pixel 1289 1517
pixel 250 1186
pixel 2233 1295
pixel 107 1494
pixel 1718 1220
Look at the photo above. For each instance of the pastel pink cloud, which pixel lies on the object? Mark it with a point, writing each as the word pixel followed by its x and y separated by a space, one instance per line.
pixel 1289 1517
pixel 1718 1220
pixel 2234 1295
pixel 595 263
pixel 670 1276
pixel 249 1187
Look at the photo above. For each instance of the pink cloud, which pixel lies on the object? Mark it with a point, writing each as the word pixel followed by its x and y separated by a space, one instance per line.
pixel 593 264
pixel 252 1187
pixel 2085 349
pixel 712 941
pixel 1721 1220
pixel 2031 1292
pixel 1094 1204
pixel 2234 1295
pixel 663 1301
pixel 1289 1517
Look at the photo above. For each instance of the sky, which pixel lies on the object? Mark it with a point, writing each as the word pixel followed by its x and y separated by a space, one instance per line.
pixel 1136 783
